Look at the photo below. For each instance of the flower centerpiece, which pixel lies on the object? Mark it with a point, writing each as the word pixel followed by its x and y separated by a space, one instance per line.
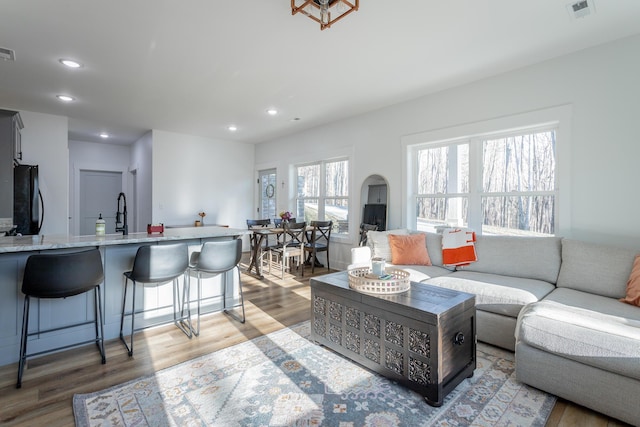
pixel 286 216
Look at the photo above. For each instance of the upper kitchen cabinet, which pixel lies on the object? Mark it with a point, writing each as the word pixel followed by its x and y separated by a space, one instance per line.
pixel 10 133
pixel 10 152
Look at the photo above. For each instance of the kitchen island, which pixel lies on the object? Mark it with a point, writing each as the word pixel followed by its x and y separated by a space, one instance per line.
pixel 118 252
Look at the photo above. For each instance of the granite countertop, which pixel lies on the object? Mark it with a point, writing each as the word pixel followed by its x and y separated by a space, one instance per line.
pixel 6 224
pixel 11 244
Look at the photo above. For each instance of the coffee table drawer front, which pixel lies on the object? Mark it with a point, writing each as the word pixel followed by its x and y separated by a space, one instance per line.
pixel 395 346
pixel 386 339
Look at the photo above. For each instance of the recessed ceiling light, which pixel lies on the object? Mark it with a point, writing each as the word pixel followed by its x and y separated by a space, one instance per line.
pixel 232 128
pixel 65 98
pixel 70 63
pixel 104 135
pixel 272 111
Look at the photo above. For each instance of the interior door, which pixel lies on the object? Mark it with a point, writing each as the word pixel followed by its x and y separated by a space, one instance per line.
pixel 98 195
pixel 267 183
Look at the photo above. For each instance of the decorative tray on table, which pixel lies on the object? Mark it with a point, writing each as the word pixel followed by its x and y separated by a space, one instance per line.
pixel 394 281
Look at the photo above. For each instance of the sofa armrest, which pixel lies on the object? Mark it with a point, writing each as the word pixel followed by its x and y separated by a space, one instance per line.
pixel 360 257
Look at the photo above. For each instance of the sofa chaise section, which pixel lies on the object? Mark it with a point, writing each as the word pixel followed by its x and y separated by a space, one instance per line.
pixel 580 342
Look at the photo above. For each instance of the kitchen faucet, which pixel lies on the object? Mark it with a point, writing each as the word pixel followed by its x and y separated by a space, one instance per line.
pixel 124 227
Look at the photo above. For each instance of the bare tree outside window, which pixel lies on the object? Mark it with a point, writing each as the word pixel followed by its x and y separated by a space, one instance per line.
pixel 443 187
pixel 323 193
pixel 519 184
pixel 517 194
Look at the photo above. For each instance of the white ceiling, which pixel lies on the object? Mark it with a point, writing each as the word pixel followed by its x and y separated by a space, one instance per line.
pixel 197 66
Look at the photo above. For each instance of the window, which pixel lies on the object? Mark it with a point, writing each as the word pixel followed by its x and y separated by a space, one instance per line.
pixel 497 184
pixel 268 186
pixel 323 193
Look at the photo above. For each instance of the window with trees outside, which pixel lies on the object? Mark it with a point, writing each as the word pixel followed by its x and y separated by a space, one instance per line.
pixel 497 184
pixel 323 193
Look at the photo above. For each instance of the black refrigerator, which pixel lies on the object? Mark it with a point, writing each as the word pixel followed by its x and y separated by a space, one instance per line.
pixel 26 200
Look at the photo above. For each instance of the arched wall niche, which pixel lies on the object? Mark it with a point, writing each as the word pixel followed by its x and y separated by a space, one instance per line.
pixel 374 196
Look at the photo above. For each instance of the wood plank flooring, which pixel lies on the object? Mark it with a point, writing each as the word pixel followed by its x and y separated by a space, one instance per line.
pixel 50 382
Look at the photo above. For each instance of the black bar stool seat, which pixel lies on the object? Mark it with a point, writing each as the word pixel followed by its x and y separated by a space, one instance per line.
pixel 155 265
pixel 218 257
pixel 61 276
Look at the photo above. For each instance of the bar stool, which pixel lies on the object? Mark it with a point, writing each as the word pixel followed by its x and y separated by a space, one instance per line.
pixel 61 276
pixel 155 265
pixel 218 257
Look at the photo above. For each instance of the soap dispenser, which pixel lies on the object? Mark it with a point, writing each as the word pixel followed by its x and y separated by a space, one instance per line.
pixel 100 226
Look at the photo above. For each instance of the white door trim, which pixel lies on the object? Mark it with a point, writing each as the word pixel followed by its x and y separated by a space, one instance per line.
pixel 74 225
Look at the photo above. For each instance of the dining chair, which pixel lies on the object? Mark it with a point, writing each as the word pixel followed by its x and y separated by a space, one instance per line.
pixel 48 276
pixel 318 239
pixel 256 223
pixel 291 246
pixel 256 253
pixel 364 228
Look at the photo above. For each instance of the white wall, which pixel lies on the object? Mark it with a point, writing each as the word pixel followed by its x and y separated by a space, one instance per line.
pixel 141 159
pixel 193 174
pixel 600 84
pixel 44 143
pixel 98 157
pixel 189 174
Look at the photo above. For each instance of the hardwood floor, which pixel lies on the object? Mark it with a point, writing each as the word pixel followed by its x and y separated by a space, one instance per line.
pixel 50 382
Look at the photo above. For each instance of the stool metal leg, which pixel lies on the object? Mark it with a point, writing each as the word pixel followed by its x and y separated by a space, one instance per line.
pixel 199 296
pixel 23 340
pixel 224 298
pixel 185 327
pixel 99 319
pixel 133 315
pixel 186 300
pixel 124 302
pixel 183 322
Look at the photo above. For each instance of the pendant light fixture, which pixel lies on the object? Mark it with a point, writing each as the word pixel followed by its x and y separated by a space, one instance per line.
pixel 324 12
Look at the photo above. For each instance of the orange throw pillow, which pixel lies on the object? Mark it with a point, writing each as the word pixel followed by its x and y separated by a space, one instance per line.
pixel 633 285
pixel 409 250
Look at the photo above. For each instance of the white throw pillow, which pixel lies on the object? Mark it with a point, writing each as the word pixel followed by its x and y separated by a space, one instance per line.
pixel 379 242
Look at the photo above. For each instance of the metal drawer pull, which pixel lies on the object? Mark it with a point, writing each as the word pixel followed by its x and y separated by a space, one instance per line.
pixel 458 339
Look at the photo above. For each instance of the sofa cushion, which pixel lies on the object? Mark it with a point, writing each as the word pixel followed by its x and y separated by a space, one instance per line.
pixel 633 284
pixel 528 257
pixel 409 250
pixel 434 247
pixel 595 268
pixel 591 329
pixel 378 241
pixel 420 273
pixel 505 295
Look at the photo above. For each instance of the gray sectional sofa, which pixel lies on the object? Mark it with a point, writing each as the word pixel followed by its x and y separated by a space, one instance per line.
pixel 553 301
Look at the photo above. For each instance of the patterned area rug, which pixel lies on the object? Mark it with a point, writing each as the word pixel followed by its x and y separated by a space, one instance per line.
pixel 282 379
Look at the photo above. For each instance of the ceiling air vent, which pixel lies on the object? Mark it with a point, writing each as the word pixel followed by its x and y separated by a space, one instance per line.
pixel 581 8
pixel 7 54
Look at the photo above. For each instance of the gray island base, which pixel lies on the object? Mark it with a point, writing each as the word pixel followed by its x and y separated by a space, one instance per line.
pixel 424 338
pixel 117 252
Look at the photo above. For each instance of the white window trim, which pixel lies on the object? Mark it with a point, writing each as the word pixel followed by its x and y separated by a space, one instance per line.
pixel 558 117
pixel 334 156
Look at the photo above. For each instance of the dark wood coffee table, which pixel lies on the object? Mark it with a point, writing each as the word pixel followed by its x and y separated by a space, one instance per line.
pixel 424 338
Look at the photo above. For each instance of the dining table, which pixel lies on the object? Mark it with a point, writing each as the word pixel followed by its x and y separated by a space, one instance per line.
pixel 260 235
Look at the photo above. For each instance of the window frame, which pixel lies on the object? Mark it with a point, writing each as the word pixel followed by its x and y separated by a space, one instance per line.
pixel 556 118
pixel 322 196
